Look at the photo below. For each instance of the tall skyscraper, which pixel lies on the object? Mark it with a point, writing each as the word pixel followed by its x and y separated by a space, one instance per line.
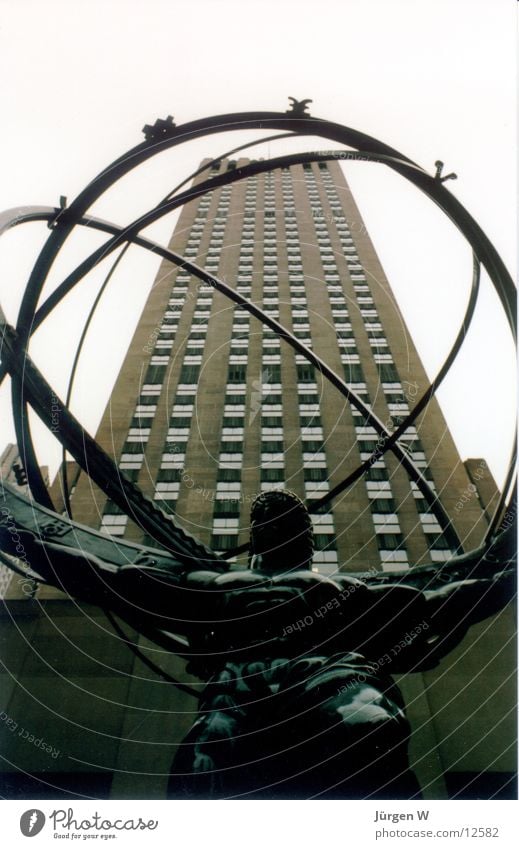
pixel 211 407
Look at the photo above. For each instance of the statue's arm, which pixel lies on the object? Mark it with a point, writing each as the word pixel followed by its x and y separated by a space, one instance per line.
pixel 142 584
pixel 156 592
pixel 454 608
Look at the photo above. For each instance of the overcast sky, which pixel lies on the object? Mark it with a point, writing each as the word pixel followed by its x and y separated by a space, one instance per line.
pixel 436 80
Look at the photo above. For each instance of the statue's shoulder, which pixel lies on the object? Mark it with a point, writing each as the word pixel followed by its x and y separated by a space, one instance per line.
pixel 242 580
pixel 303 578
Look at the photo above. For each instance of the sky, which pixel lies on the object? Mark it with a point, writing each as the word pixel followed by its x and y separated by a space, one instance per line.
pixel 435 80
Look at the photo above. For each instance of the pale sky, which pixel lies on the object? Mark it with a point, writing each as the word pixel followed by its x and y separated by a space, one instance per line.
pixel 436 80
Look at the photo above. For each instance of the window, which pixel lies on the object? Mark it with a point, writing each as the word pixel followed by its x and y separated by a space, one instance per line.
pixel 229 475
pixel 313 446
pixel 323 523
pixel 271 421
pixel 271 446
pixel 113 509
pixel 228 490
pixel 378 489
pixel 315 474
pixel 420 503
pixel 237 373
pixel 227 508
pixel 273 475
pixel 138 434
pixel 367 445
pixel 313 457
pixel 155 374
pixel 274 461
pixel 388 372
pixel 306 422
pixel 316 488
pixel 235 409
pixel 142 418
pixel 390 542
pixel 189 374
pixel 167 489
pixel 234 398
pixel 269 432
pixel 231 459
pixel 221 542
pixel 233 431
pixel 273 374
pixel 173 461
pixel 439 542
pixel 353 373
pixel 376 474
pixel 169 475
pixel 180 421
pixel 325 562
pixel 115 525
pixel 266 486
pixel 440 555
pixel 131 447
pixel 378 344
pixel 307 398
pixel 131 461
pixel 325 542
pixel 178 433
pixel 383 505
pixel 305 373
pixel 305 408
pixel 230 444
pixel 229 524
pixel 430 523
pixel 394 560
pixel 386 523
pixel 397 408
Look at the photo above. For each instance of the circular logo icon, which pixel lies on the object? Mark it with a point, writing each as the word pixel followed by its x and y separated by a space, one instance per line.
pixel 32 822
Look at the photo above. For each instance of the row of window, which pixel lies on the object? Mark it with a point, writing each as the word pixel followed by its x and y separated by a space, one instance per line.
pixel 132 456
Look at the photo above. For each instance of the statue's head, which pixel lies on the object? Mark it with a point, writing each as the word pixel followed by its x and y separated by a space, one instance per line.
pixel 282 536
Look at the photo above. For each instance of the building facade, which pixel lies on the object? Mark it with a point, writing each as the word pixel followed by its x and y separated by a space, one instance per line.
pixel 211 407
pixel 223 409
